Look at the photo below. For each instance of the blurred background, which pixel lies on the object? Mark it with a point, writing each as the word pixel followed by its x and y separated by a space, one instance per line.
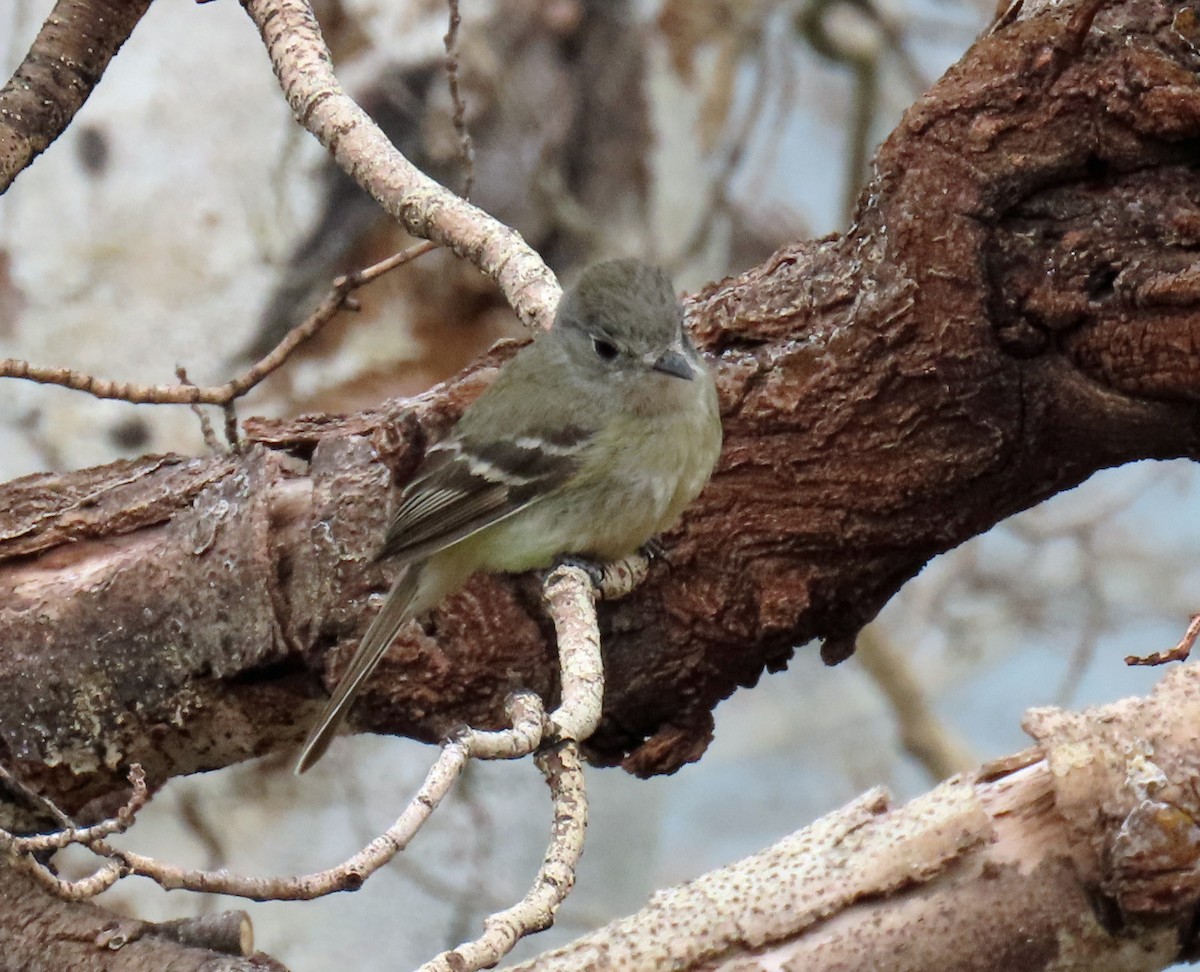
pixel 183 219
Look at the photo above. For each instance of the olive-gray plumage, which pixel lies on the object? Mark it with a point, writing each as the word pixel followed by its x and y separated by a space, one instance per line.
pixel 591 440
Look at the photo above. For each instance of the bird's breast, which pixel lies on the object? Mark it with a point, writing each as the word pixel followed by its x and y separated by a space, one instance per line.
pixel 635 484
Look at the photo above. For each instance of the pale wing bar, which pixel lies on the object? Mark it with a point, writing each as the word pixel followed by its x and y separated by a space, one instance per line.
pixel 462 487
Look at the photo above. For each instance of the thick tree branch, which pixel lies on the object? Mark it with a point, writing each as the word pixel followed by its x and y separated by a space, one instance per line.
pixel 887 394
pixel 64 64
pixel 1078 854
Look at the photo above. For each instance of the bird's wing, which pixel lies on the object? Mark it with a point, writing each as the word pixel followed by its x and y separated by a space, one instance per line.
pixel 462 487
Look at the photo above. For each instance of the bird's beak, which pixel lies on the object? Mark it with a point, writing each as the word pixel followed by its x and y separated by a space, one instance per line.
pixel 674 363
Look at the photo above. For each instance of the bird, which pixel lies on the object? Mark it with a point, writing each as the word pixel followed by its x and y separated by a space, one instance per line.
pixel 590 442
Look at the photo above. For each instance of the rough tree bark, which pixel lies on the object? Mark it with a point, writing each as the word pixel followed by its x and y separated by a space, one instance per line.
pixel 1015 307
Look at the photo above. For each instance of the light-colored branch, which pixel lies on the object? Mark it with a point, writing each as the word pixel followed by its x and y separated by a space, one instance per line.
pixel 555 878
pixel 1180 652
pixel 570 592
pixel 1078 854
pixel 426 209
pixel 525 735
pixel 83 835
pixel 571 595
pixel 186 393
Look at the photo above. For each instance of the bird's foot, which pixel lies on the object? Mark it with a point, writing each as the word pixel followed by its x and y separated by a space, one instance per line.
pixel 595 571
pixel 654 549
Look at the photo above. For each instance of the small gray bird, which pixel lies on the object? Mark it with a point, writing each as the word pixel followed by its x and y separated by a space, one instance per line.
pixel 591 440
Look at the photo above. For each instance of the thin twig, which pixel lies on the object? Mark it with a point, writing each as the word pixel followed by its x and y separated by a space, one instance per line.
pixel 1180 652
pixel 571 593
pixel 35 799
pixel 231 426
pixel 222 395
pixel 206 428
pixel 85 835
pixel 555 878
pixel 465 146
pixel 527 715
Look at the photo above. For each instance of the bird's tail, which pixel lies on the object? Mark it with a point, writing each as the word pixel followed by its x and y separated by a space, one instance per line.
pixel 395 612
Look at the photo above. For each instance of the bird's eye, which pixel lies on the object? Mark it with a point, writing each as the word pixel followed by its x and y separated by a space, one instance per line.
pixel 605 349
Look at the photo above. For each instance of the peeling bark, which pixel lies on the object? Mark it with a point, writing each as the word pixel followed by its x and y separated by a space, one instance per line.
pixel 1012 310
pixel 1079 854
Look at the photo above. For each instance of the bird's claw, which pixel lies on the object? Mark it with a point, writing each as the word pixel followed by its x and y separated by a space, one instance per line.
pixel 594 570
pixel 654 549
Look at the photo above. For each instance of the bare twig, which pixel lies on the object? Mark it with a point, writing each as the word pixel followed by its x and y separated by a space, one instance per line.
pixel 222 395
pixel 23 849
pixel 231 425
pixel 1180 652
pixel 523 738
pixel 85 835
pixel 206 428
pixel 571 593
pixel 465 145
pixel 555 878
pixel 426 209
pixel 35 800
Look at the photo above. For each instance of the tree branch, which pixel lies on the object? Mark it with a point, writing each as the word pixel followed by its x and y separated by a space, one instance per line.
pixel 63 65
pixel 41 933
pixel 187 393
pixel 887 394
pixel 425 208
pixel 1078 854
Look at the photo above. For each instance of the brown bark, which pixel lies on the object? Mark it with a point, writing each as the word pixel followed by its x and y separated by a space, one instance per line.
pixel 64 64
pixel 40 933
pixel 1014 308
